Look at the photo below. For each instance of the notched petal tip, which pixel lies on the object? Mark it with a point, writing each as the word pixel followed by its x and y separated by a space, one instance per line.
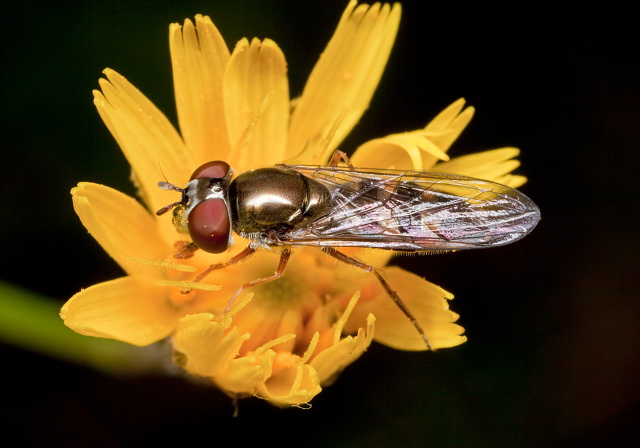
pixel 495 165
pixel 199 57
pixel 256 102
pixel 144 134
pixel 346 75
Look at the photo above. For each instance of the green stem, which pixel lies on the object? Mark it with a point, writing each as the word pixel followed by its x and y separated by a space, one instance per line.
pixel 32 322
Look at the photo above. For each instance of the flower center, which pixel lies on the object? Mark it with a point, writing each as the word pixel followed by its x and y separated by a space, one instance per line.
pixel 284 293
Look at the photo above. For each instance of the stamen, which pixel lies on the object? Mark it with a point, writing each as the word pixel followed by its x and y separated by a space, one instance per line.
pixel 312 347
pixel 323 145
pixel 188 285
pixel 162 264
pixel 247 134
pixel 282 339
pixel 343 318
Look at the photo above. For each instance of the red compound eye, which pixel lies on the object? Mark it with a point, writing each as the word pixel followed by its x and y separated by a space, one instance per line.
pixel 217 169
pixel 209 225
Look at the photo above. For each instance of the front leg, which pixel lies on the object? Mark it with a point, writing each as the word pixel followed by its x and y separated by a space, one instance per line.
pixel 340 155
pixel 248 251
pixel 284 259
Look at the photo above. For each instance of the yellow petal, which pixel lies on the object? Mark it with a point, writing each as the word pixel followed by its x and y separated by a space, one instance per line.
pixel 406 151
pixel 207 344
pixel 492 165
pixel 345 77
pixel 290 323
pixel 149 141
pixel 295 384
pixel 245 375
pixel 331 361
pixel 444 129
pixel 427 302
pixel 512 180
pixel 256 83
pixel 122 309
pixel 417 150
pixel 447 126
pixel 121 225
pixel 199 58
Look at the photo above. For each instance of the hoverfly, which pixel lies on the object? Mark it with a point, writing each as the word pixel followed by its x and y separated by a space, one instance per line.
pixel 333 206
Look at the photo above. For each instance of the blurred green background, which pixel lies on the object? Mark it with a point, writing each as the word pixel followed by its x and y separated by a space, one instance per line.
pixel 553 321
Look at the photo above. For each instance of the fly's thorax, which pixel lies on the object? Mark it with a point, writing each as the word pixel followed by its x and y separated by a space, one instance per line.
pixel 275 198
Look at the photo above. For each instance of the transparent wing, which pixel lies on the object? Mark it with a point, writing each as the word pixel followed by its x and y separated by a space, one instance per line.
pixel 413 211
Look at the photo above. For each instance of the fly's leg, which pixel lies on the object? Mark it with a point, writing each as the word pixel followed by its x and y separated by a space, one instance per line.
pixel 284 259
pixel 184 249
pixel 339 155
pixel 396 298
pixel 248 251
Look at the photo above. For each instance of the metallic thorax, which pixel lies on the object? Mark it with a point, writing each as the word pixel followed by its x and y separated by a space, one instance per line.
pixel 275 198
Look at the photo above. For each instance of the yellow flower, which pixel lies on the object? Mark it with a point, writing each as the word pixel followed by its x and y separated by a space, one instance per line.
pixel 285 339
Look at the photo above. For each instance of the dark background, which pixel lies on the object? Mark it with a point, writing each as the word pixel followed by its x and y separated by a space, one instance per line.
pixel 552 321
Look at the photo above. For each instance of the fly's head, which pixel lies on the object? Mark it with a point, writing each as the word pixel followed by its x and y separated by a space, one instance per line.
pixel 203 211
